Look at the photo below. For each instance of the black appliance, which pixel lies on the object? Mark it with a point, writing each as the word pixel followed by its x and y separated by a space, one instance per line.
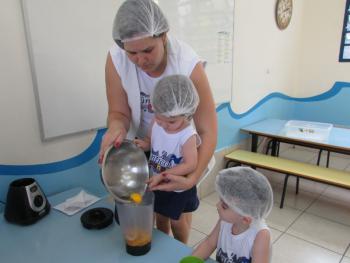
pixel 26 202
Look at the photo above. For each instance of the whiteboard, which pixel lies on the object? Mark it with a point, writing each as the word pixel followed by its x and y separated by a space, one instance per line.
pixel 207 26
pixel 68 43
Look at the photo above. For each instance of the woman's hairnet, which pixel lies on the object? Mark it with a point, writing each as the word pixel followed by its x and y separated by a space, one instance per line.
pixel 246 191
pixel 138 19
pixel 175 95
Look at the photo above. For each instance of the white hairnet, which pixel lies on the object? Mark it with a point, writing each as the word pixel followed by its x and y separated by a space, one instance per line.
pixel 138 19
pixel 175 95
pixel 246 191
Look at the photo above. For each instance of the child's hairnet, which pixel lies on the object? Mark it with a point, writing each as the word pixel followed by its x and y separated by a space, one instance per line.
pixel 246 191
pixel 138 19
pixel 175 95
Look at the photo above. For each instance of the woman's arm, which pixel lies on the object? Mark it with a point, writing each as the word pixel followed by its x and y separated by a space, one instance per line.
pixel 206 122
pixel 261 247
pixel 207 247
pixel 206 125
pixel 119 113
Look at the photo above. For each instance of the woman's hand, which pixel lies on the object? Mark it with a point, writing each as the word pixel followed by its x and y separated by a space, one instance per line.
pixel 170 182
pixel 115 137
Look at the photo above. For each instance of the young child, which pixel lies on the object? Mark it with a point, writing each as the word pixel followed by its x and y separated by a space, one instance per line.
pixel 240 234
pixel 173 143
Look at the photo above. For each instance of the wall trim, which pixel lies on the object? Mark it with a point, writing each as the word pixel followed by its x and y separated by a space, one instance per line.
pixel 94 147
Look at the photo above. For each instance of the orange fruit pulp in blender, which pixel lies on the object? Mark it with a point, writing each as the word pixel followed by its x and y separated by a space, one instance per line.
pixel 137 237
pixel 136 198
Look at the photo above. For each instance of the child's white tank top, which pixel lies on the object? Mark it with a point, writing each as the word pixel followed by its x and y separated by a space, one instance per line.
pixel 236 248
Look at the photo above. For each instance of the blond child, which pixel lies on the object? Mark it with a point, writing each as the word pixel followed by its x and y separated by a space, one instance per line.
pixel 240 234
pixel 172 142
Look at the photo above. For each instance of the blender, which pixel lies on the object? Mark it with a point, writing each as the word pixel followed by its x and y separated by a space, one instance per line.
pixel 124 173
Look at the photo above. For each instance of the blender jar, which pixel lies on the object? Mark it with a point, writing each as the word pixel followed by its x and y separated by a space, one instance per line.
pixel 136 223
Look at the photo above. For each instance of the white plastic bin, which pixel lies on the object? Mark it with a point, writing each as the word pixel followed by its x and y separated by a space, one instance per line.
pixel 308 130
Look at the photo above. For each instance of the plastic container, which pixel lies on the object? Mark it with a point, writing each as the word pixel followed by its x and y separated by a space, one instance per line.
pixel 136 222
pixel 308 130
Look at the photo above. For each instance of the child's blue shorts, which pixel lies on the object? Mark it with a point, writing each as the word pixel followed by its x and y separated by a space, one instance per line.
pixel 173 204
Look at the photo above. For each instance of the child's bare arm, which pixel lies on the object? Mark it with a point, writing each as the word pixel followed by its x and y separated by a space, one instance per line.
pixel 189 163
pixel 144 144
pixel 207 247
pixel 261 247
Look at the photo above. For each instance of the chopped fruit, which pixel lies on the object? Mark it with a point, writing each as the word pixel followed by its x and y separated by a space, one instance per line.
pixel 136 197
pixel 137 237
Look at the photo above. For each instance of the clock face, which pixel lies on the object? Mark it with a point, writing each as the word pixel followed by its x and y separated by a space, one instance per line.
pixel 284 9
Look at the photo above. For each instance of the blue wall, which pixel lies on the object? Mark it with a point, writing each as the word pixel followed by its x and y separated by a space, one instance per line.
pixel 83 170
pixel 332 106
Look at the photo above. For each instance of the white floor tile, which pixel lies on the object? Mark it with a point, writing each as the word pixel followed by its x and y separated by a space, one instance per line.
pixel 213 255
pixel 273 177
pixel 281 219
pixel 338 194
pixel 340 155
pixel 300 201
pixel 331 209
pixel 289 249
pixel 284 147
pixel 195 238
pixel 205 218
pixel 345 260
pixel 307 149
pixel 306 185
pixel 277 179
pixel 348 252
pixel 322 232
pixel 298 155
pixel 275 234
pixel 211 199
pixel 347 168
pixel 334 161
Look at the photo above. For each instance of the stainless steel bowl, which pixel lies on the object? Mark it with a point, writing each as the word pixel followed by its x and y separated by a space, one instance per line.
pixel 125 171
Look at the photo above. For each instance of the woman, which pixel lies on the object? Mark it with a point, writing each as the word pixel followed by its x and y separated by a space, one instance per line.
pixel 144 54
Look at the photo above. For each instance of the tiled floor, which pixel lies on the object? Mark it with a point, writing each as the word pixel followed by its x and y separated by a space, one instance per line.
pixel 313 226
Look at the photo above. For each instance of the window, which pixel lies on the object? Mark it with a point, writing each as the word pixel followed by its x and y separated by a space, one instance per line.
pixel 344 55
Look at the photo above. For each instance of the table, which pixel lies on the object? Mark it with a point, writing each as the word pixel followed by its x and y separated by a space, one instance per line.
pixel 338 141
pixel 61 238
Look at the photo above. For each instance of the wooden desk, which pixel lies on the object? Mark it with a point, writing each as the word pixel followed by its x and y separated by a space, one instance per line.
pixel 338 141
pixel 60 238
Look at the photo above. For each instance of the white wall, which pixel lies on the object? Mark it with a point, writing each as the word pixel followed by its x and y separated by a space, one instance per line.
pixel 20 141
pixel 321 37
pixel 265 60
pixel 299 61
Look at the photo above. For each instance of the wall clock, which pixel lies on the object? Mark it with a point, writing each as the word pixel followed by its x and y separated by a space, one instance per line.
pixel 284 10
